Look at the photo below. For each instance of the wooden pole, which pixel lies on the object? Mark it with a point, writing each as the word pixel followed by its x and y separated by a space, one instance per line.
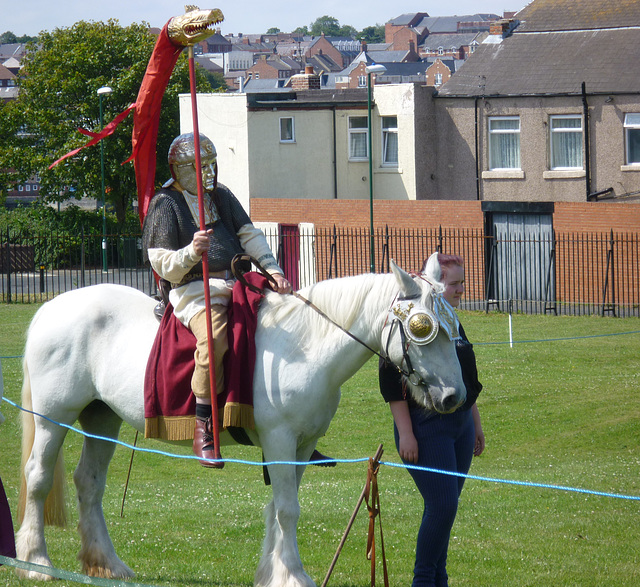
pixel 376 458
pixel 205 263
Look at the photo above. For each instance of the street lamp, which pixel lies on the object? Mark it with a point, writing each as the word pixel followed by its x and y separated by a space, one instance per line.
pixel 103 91
pixel 377 69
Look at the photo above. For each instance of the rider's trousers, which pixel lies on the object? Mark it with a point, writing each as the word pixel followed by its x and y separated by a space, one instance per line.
pixel 198 325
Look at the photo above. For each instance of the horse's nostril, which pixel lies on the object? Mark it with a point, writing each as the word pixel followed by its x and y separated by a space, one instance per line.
pixel 449 403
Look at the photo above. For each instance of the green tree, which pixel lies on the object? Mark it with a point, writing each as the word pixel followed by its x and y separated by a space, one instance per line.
pixel 328 25
pixel 373 34
pixel 57 95
pixel 274 30
pixel 8 37
pixel 302 31
pixel 347 31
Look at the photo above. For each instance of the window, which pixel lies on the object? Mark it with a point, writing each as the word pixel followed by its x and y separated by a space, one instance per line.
pixel 632 138
pixel 504 142
pixel 440 50
pixel 287 134
pixel 362 81
pixel 438 79
pixel 566 142
pixel 358 138
pixel 390 141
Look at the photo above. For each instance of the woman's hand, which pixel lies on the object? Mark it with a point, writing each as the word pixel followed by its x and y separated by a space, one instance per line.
pixel 478 447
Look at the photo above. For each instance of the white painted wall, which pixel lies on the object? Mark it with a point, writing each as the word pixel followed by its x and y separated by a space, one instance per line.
pixel 224 119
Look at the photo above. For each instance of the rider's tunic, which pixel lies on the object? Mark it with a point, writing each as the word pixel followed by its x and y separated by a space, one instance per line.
pixel 167 234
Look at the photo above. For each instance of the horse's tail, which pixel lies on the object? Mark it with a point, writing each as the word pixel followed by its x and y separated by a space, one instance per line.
pixel 55 510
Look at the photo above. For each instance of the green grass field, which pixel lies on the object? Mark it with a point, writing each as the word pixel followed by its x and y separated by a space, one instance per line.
pixel 560 412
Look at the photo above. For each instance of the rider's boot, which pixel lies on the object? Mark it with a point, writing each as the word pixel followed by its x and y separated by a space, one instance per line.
pixel 203 445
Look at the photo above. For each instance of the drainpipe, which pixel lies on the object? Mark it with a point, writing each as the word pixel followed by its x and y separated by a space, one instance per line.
pixel 335 156
pixel 587 148
pixel 475 108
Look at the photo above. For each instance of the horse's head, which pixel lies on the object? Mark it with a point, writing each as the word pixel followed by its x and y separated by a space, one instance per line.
pixel 418 337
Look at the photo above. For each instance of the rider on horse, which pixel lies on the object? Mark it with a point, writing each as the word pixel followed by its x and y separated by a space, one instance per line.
pixel 174 246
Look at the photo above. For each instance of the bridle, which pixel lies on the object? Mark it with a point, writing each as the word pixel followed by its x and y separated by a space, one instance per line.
pixel 418 326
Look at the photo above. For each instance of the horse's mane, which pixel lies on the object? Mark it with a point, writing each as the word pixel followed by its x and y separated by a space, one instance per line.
pixel 341 299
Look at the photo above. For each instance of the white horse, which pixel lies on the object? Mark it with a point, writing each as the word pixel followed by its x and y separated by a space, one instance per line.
pixel 85 359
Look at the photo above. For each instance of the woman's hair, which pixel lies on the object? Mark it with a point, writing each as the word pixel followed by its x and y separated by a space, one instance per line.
pixel 438 264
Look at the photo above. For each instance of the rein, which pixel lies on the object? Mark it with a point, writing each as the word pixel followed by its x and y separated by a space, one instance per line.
pixel 237 273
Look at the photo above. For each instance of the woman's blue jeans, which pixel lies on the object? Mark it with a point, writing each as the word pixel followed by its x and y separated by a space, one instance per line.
pixel 445 443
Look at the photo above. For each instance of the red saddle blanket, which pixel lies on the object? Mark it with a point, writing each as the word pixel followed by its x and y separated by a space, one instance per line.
pixel 169 405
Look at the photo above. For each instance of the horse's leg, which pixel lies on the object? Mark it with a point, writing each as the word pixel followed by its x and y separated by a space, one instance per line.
pixel 97 555
pixel 280 564
pixel 39 476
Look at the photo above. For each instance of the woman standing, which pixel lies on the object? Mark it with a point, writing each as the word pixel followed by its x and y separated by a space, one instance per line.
pixel 445 442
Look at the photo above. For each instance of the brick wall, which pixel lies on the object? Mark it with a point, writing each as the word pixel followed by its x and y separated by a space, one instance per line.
pixel 568 216
pixel 596 217
pixel 355 213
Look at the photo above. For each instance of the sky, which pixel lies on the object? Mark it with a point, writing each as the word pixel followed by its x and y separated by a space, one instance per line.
pixel 241 16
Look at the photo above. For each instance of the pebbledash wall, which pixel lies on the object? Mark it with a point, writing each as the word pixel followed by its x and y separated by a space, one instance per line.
pixel 568 217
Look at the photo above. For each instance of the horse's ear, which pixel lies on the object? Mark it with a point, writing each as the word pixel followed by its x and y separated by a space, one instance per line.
pixel 408 286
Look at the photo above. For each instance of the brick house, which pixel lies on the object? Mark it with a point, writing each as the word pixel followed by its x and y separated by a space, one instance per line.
pixel 326 46
pixel 273 67
pixel 8 88
pixel 438 73
pixel 444 36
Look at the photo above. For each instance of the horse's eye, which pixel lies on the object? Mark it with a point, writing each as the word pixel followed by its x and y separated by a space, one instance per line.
pixel 420 325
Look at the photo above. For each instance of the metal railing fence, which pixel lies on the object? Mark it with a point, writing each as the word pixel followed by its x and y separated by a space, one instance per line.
pixel 578 274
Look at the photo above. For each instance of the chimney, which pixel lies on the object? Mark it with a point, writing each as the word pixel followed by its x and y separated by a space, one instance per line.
pixel 503 27
pixel 305 81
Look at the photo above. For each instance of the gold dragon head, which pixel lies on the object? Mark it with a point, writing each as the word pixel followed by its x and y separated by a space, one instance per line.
pixel 194 25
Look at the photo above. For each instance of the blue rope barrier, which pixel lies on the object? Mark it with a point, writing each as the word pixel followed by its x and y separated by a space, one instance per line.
pixel 68 575
pixel 343 461
pixel 559 339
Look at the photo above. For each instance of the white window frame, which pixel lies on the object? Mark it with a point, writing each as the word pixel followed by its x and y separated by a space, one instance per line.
pixel 495 135
pixel 437 81
pixel 362 81
pixel 631 125
pixel 557 132
pixel 388 133
pixel 356 135
pixel 284 136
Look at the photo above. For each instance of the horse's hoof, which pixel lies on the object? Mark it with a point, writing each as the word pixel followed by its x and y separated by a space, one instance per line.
pixel 32 575
pixel 123 572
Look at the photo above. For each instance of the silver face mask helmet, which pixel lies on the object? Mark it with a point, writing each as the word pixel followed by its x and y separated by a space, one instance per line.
pixel 182 162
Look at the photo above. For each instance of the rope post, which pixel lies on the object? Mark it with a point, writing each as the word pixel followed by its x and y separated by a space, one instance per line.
pixel 126 485
pixel 373 464
pixel 205 264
